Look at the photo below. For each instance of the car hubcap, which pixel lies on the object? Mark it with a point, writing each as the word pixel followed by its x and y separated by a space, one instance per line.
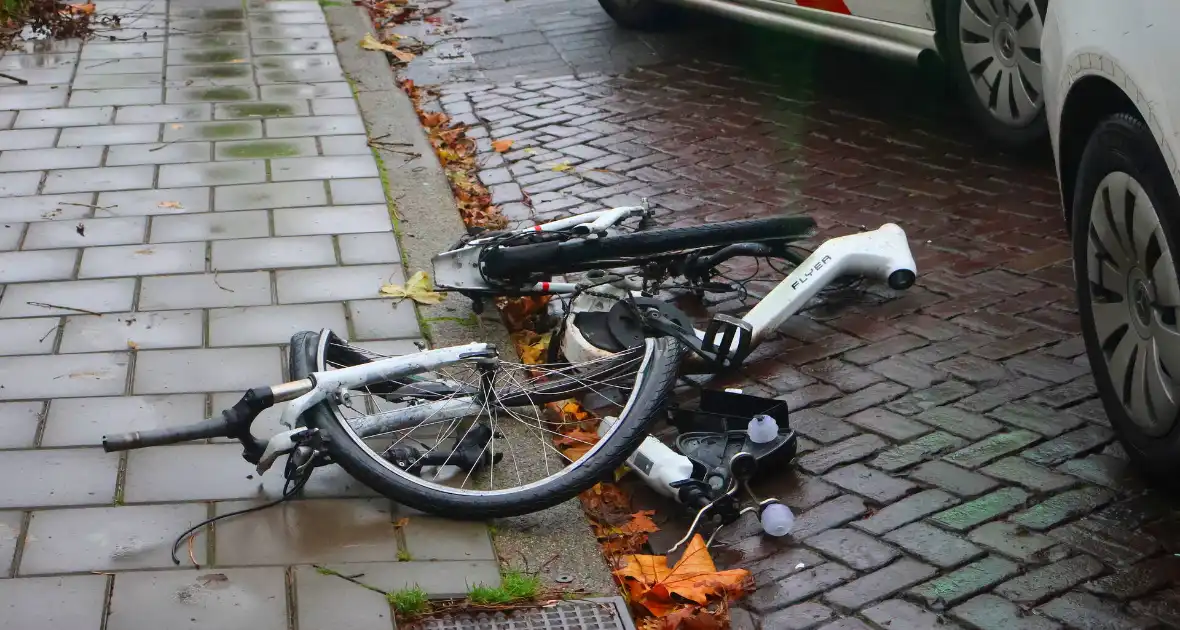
pixel 1001 45
pixel 1134 299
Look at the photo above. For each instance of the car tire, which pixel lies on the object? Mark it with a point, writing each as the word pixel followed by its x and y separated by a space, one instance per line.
pixel 1127 288
pixel 640 15
pixel 998 78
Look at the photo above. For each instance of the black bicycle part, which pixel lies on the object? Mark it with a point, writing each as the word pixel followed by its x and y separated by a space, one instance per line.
pixel 507 263
pixel 470 450
pixel 232 423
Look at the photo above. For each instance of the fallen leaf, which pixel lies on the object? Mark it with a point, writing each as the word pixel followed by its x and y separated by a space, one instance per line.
pixel 177 126
pixel 653 584
pixel 417 289
pixel 561 168
pixel 433 119
pixel 402 522
pixel 368 42
pixel 237 61
pixel 82 9
pixel 80 229
pixel 170 204
pixel 132 345
pixel 501 146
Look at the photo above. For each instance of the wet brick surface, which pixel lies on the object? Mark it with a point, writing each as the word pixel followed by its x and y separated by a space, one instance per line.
pixel 958 470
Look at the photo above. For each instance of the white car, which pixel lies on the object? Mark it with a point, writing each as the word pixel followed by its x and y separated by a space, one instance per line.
pixel 1113 106
pixel 992 47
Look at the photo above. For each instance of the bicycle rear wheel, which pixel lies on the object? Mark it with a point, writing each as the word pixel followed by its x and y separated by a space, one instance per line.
pixel 482 444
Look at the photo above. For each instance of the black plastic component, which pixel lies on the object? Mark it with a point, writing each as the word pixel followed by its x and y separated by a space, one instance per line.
pixel 902 279
pixel 233 422
pixel 470 451
pixel 730 339
pixel 626 328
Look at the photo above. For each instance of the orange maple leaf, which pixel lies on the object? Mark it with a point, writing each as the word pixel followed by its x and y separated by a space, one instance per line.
pixel 501 146
pixel 653 584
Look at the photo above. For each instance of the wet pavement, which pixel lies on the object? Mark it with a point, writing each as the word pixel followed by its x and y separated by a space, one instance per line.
pixel 958 470
pixel 174 204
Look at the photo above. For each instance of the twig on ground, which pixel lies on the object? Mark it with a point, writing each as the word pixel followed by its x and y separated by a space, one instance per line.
pixel 12 78
pixel 64 308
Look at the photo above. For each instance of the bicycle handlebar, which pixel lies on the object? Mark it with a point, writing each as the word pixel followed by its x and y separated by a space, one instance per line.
pixel 208 428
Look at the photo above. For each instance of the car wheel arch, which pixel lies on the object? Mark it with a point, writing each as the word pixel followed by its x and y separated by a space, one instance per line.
pixel 1090 100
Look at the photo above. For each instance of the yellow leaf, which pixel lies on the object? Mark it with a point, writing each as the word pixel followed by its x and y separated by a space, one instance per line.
pixel 237 61
pixel 170 204
pixel 417 289
pixel 132 345
pixel 500 146
pixel 563 167
pixel 177 126
pixel 368 42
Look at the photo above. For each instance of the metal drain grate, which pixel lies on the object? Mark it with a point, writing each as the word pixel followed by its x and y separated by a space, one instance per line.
pixel 599 613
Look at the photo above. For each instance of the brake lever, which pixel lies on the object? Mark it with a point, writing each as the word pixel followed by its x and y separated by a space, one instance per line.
pixel 280 444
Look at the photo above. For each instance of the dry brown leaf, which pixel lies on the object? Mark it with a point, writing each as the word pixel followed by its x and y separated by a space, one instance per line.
pixel 132 345
pixel 82 9
pixel 237 61
pixel 417 288
pixel 402 522
pixel 170 204
pixel 501 146
pixel 433 119
pixel 368 42
pixel 177 126
pixel 694 577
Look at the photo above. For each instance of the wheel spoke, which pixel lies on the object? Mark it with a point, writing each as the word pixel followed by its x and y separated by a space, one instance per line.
pixel 974 55
pixel 1107 219
pixel 1167 342
pixel 1109 319
pixel 1030 72
pixel 1161 392
pixel 1163 277
pixel 1026 106
pixel 1120 363
pixel 1138 401
pixel 1144 225
pixel 982 10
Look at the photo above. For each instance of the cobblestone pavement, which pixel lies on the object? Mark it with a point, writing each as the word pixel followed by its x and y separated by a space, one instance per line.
pixel 172 209
pixel 959 471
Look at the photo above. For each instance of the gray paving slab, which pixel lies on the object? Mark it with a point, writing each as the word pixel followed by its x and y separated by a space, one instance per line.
pixel 346 145
pixel 116 96
pixel 266 196
pixel 154 201
pixel 99 179
pixel 136 260
pixel 334 167
pixel 357 191
pixel 15 139
pixel 108 135
pixel 10 530
pixel 121 66
pixel 53 264
pixel 383 319
pixel 269 325
pixel 306 90
pixel 60 376
pixel 217 174
pixel 46 207
pixel 164 113
pixel 332 220
pixel 67 298
pixel 71 117
pixel 331 284
pixel 83 421
pixel 85 233
pixel 253 149
pixel 11 235
pixel 346 530
pixel 118 81
pixel 59 477
pixel 233 598
pixel 33 335
pixel 209 370
pixel 20 421
pixel 142 330
pixel 46 159
pixel 158 153
pixel 19 184
pixel 314 126
pixel 273 253
pixel 210 226
pixel 207 290
pixel 32 98
pixel 367 249
pixel 69 602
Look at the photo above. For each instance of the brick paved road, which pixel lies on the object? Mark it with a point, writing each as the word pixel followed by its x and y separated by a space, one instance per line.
pixel 172 209
pixel 960 472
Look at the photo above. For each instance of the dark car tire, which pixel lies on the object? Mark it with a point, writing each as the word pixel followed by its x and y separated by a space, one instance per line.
pixel 1123 143
pixel 1012 135
pixel 640 15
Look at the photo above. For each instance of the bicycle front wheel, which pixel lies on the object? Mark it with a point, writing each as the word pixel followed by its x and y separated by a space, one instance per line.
pixel 475 440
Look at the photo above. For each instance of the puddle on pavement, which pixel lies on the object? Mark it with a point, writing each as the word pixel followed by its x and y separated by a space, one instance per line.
pixel 259 150
pixel 223 14
pixel 216 55
pixel 25 62
pixel 280 76
pixel 225 130
pixel 210 26
pixel 223 94
pixel 225 71
pixel 250 110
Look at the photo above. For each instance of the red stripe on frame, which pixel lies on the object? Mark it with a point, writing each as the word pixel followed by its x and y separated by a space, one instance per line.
pixel 835 6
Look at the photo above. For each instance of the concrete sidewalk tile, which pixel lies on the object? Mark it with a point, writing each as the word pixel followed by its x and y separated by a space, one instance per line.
pixel 70 602
pixel 357 191
pixel 164 474
pixel 60 376
pixel 273 253
pixel 263 31
pixel 212 41
pixel 266 109
pixel 321 599
pixel 440 579
pixel 229 598
pixel 332 220
pixel 256 149
pixel 13 60
pixel 118 81
pixel 10 235
pixel 305 532
pixel 313 126
pixel 210 226
pixel 109 135
pixel 116 96
pixel 396 347
pixel 115 538
pixel 72 117
pixel 121 66
pixel 266 196
pixel 19 184
pixel 328 284
pixel 39 98
pixel 83 421
pixel 270 325
pixel 297 6
pixel 206 26
pixel 20 421
pixel 367 249
pixel 6 119
pixel 47 159
pixel 315 74
pixel 10 529
pixel 164 113
pixel 67 298
pixel 33 266
pixel 123 50
pixel 212 370
pixel 209 290
pixel 157 153
pixel 211 94
pixel 142 330
pixel 93 232
pixel 384 319
pixel 346 145
pixel 212 174
pixel 333 167
pixel 47 76
pixel 59 477
pixel 303 46
pixel 46 207
pixel 334 106
pixel 155 201
pixel 293 17
pixel 33 335
pixel 137 260
pixel 222 74
pixel 201 55
pixel 16 139
pixel 433 538
pixel 100 179
pixel 338 89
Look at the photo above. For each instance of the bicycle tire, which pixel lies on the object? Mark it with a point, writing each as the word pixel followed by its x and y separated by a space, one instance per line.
pixel 647 401
pixel 569 256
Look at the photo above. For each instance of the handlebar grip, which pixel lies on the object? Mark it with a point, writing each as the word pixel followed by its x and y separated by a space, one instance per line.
pixel 209 428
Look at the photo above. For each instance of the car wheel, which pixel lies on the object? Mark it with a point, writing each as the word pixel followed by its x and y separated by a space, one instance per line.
pixel 642 15
pixel 1124 231
pixel 993 48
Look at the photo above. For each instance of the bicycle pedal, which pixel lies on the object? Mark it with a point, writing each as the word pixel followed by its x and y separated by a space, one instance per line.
pixel 728 338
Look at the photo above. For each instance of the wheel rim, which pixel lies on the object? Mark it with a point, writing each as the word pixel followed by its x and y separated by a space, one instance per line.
pixel 519 469
pixel 1001 45
pixel 1134 300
